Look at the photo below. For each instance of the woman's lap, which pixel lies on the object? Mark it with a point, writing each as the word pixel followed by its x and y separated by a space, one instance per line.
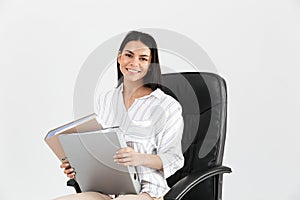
pixel 98 196
pixel 85 196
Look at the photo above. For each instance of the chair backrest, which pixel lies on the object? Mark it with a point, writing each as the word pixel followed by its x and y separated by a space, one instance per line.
pixel 203 97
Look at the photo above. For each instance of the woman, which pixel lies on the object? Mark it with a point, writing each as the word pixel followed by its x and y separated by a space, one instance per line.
pixel 150 120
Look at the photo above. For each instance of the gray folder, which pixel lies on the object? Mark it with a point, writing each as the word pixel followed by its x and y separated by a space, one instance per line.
pixel 91 154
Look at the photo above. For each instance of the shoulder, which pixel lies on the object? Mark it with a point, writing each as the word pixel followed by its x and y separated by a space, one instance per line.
pixel 167 101
pixel 107 94
pixel 105 98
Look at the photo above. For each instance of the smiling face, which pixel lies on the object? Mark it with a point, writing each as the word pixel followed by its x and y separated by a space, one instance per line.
pixel 134 61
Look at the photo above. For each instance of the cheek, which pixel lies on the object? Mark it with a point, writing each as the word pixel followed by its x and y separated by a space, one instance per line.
pixel 123 60
pixel 146 67
pixel 123 69
pixel 123 65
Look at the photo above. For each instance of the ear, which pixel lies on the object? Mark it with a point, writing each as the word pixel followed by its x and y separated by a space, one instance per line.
pixel 119 57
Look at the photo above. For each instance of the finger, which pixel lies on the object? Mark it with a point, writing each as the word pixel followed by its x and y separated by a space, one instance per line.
pixel 125 164
pixel 72 175
pixel 68 171
pixel 129 149
pixel 65 165
pixel 123 160
pixel 125 150
pixel 121 155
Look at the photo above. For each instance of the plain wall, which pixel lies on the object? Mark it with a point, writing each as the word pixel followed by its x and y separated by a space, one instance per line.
pixel 254 44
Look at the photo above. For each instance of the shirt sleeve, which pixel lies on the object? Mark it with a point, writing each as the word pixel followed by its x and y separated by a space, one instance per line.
pixel 97 103
pixel 101 106
pixel 169 150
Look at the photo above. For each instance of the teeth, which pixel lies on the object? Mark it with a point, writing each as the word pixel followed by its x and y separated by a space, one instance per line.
pixel 132 70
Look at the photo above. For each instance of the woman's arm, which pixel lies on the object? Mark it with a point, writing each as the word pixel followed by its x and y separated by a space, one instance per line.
pixel 169 146
pixel 129 157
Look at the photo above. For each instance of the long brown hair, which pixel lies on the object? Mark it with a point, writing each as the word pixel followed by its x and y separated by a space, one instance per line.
pixel 153 77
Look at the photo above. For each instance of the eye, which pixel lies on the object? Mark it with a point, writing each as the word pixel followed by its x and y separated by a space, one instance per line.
pixel 128 55
pixel 144 59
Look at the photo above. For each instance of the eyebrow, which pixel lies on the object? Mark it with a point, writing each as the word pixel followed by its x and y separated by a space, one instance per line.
pixel 143 55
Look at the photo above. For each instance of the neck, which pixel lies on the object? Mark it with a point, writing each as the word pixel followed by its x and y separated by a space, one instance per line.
pixel 134 89
pixel 129 87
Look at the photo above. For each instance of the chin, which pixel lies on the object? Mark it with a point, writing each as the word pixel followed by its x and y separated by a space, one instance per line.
pixel 132 79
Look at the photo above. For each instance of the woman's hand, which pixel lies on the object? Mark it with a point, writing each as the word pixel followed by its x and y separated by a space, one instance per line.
pixel 129 157
pixel 68 170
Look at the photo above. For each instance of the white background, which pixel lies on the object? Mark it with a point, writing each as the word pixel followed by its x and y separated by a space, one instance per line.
pixel 254 44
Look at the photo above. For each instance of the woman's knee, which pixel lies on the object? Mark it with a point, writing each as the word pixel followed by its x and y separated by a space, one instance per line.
pixel 143 196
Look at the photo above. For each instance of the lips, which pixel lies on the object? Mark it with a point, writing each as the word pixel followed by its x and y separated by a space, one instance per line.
pixel 133 70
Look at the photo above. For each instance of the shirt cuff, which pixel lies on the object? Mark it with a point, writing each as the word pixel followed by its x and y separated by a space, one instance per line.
pixel 170 164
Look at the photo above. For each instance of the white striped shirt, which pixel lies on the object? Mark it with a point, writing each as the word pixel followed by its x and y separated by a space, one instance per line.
pixel 153 124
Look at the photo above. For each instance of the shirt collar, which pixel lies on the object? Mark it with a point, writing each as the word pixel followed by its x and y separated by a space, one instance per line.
pixel 156 93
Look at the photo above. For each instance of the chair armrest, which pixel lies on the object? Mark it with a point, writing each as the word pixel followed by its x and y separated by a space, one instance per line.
pixel 73 183
pixel 188 182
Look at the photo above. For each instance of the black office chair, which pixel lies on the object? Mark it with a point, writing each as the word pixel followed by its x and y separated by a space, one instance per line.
pixel 203 97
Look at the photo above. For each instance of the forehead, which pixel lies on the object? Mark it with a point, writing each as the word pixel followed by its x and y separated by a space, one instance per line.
pixel 137 47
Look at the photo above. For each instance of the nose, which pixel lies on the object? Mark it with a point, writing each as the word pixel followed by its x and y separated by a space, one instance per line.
pixel 135 61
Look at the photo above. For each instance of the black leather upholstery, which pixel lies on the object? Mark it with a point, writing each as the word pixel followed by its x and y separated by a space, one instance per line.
pixel 203 98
